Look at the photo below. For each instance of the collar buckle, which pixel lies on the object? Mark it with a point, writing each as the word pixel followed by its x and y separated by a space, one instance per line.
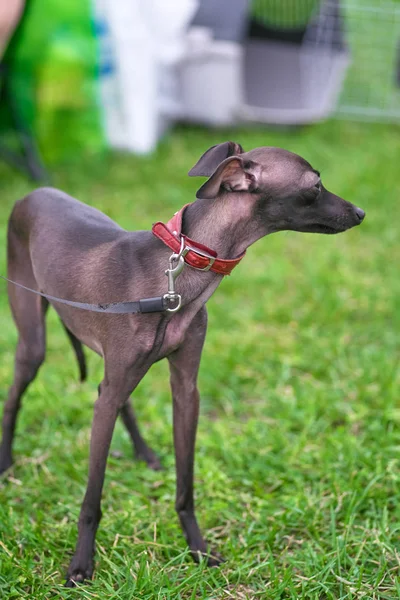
pixel 211 259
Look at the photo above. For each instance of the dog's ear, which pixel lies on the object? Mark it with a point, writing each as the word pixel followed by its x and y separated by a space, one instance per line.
pixel 214 156
pixel 234 175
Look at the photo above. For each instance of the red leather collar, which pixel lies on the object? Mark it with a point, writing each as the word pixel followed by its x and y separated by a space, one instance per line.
pixel 199 256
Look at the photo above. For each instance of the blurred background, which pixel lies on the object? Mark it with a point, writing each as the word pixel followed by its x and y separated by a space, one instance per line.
pixel 84 76
pixel 297 468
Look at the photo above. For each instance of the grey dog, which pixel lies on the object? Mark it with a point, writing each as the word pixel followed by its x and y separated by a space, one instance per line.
pixel 66 249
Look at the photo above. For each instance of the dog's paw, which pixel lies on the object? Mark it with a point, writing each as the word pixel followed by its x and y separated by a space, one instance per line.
pixel 151 459
pixel 78 575
pixel 212 559
pixel 155 465
pixel 77 578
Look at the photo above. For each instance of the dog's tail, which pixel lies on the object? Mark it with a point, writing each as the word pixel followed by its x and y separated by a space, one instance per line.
pixel 80 355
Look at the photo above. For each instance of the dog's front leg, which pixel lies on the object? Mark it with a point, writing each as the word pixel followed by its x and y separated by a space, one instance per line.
pixel 115 389
pixel 184 365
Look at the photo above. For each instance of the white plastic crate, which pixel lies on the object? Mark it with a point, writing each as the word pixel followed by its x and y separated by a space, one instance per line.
pixel 211 79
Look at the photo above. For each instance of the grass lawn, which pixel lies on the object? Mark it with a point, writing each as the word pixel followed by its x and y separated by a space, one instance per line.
pixel 297 472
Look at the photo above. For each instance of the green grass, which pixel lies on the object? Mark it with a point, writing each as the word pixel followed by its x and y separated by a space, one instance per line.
pixel 297 472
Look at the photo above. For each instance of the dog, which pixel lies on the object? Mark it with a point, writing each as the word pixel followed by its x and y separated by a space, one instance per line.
pixel 71 254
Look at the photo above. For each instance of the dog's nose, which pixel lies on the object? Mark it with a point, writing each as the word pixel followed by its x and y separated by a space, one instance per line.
pixel 360 214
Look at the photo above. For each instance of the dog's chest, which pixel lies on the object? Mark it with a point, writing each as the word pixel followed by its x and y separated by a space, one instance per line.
pixel 174 336
pixel 176 332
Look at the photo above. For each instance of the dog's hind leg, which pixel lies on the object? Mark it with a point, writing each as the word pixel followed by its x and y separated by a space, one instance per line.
pixel 142 450
pixel 29 314
pixel 79 353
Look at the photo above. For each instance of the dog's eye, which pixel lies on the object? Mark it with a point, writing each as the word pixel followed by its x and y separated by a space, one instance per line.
pixel 310 195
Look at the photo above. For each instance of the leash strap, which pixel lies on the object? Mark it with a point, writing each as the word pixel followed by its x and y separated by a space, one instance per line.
pixel 146 305
pixel 185 250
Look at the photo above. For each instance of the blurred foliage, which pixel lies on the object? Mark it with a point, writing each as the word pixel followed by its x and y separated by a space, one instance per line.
pixel 54 62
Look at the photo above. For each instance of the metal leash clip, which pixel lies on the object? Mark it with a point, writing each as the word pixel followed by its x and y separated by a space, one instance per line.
pixel 172 273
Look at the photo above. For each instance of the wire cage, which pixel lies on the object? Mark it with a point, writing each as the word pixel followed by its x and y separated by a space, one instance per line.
pixel 303 60
pixel 295 60
pixel 371 89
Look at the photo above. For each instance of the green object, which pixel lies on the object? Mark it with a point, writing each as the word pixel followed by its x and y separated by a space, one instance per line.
pixel 54 77
pixel 284 14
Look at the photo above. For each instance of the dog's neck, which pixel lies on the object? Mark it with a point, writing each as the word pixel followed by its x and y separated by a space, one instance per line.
pixel 226 224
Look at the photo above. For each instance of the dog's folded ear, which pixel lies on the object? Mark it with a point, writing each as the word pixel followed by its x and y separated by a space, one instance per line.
pixel 214 156
pixel 233 175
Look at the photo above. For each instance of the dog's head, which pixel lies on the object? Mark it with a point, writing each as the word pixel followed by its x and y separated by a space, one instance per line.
pixel 287 192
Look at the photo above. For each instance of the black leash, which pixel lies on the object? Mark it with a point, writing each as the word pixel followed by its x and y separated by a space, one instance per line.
pixel 170 302
pixel 146 305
